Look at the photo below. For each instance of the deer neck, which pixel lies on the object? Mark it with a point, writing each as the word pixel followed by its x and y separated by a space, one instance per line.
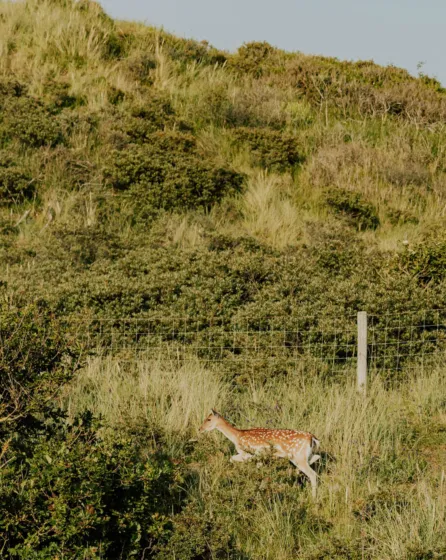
pixel 228 430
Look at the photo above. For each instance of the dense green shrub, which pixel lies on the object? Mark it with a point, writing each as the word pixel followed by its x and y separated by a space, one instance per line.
pixel 277 151
pixel 79 496
pixel 252 57
pixel 36 357
pixel 312 293
pixel 160 179
pixel 16 184
pixel 426 262
pixel 360 213
pixel 139 123
pixel 64 490
pixel 29 121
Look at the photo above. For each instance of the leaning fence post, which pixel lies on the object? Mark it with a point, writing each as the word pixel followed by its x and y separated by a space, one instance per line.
pixel 362 353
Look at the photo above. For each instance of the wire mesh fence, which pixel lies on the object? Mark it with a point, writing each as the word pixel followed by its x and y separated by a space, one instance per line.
pixel 406 340
pixel 396 342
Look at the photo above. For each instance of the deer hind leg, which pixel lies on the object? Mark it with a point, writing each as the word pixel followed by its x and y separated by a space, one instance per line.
pixel 303 466
pixel 314 459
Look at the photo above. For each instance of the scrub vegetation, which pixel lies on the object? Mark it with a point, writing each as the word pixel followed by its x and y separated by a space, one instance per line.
pixel 145 176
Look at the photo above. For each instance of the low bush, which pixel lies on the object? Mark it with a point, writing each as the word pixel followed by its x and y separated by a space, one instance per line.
pixel 29 121
pixel 159 179
pixel 138 124
pixel 252 58
pixel 275 150
pixel 426 262
pixel 65 491
pixel 16 184
pixel 359 213
pixel 36 358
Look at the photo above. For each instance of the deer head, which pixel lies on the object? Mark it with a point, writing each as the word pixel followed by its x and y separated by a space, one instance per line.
pixel 211 422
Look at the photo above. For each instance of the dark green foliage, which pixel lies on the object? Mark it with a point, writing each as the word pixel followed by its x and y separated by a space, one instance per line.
pixel 36 357
pixel 29 121
pixel 160 179
pixel 64 490
pixel 16 184
pixel 252 58
pixel 277 151
pixel 87 245
pixel 426 262
pixel 188 50
pixel 139 124
pixel 223 290
pixel 359 213
pixel 78 496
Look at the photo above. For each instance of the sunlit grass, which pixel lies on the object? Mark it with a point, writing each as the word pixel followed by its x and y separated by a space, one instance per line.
pixel 369 452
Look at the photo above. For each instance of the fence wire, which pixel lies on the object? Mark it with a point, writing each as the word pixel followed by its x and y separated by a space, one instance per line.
pixel 396 342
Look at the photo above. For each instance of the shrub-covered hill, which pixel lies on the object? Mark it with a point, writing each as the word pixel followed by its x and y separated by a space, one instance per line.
pixel 151 177
pixel 135 165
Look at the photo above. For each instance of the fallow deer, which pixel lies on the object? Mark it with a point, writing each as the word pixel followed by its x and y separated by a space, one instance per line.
pixel 296 446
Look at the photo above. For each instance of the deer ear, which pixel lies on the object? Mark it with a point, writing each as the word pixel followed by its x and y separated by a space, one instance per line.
pixel 214 412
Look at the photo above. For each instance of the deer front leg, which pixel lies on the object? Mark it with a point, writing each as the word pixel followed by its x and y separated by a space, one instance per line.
pixel 241 457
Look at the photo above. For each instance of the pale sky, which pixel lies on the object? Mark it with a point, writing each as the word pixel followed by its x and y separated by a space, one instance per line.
pixel 399 32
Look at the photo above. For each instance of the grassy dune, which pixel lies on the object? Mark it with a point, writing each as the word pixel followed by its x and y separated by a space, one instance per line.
pixel 148 177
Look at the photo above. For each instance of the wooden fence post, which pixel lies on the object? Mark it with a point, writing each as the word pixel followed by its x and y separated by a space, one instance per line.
pixel 362 353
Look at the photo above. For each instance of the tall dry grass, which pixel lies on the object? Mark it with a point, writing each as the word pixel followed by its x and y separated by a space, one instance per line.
pixel 41 41
pixel 163 397
pixel 375 486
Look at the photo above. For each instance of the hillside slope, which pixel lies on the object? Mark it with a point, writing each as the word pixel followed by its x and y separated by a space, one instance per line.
pixel 123 148
pixel 151 178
